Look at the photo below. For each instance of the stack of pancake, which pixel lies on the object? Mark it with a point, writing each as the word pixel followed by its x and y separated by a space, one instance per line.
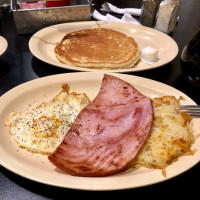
pixel 98 48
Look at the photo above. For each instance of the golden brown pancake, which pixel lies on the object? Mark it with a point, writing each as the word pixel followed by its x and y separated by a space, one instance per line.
pixel 98 48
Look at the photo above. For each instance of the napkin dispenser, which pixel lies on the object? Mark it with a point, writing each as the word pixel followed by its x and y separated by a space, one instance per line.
pixel 32 20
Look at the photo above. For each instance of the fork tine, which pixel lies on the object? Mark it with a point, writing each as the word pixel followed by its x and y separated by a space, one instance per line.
pixel 190 106
pixel 194 115
pixel 193 110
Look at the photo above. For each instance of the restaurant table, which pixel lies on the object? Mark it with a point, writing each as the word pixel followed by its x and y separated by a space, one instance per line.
pixel 18 65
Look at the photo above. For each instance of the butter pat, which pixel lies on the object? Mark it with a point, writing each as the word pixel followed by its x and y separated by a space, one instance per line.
pixel 149 54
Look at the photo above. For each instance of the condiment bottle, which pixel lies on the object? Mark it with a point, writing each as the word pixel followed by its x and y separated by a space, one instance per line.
pixel 57 3
pixel 190 60
pixel 167 15
pixel 148 13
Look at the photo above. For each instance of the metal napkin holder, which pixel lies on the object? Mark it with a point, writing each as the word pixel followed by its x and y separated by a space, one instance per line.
pixel 32 20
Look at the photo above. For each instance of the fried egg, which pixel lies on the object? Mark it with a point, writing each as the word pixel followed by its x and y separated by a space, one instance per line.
pixel 42 129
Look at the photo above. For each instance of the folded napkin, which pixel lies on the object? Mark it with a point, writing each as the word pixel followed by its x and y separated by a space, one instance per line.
pixel 108 7
pixel 129 19
pixel 126 18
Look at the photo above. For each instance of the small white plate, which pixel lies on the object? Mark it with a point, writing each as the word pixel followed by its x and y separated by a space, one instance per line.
pixel 43 42
pixel 38 168
pixel 3 45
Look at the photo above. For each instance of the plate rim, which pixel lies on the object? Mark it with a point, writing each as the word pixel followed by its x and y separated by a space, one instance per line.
pixel 10 92
pixel 5 44
pixel 98 23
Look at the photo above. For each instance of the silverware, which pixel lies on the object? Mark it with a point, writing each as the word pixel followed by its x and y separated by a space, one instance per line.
pixel 91 6
pixel 193 110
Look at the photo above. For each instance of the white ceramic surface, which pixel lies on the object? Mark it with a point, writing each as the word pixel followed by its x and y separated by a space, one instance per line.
pixel 43 42
pixel 37 167
pixel 3 45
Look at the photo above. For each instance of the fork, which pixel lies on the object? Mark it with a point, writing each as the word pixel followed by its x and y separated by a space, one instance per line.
pixel 193 110
pixel 91 6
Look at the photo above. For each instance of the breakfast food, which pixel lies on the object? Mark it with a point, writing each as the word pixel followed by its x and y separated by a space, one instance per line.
pixel 149 54
pixel 42 129
pixel 171 135
pixel 108 133
pixel 98 48
pixel 120 128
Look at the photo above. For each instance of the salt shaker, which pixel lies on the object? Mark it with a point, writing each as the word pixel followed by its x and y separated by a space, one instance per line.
pixel 148 13
pixel 167 14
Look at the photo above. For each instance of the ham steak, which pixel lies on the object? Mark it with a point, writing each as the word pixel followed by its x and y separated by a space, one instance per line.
pixel 108 133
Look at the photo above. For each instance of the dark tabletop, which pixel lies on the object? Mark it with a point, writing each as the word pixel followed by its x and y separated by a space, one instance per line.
pixel 18 65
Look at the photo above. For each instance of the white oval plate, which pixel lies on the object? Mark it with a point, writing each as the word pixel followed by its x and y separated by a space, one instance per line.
pixel 37 167
pixel 43 42
pixel 3 45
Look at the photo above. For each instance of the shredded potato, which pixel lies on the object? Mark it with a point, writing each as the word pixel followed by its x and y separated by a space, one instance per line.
pixel 170 135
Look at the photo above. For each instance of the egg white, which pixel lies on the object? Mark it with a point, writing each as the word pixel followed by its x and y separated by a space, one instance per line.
pixel 42 129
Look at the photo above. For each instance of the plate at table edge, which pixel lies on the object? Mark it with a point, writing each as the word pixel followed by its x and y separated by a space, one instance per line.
pixel 43 42
pixel 3 45
pixel 36 167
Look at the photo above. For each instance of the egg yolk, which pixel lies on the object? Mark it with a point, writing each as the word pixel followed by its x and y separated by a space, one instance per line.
pixel 45 127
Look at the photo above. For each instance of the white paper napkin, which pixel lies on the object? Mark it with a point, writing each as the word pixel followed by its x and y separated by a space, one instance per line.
pixel 108 7
pixel 127 18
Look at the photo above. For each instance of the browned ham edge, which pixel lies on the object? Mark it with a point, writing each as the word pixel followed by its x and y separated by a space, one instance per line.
pixel 108 133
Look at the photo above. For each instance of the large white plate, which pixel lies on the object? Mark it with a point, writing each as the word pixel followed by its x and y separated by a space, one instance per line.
pixel 3 45
pixel 38 168
pixel 43 42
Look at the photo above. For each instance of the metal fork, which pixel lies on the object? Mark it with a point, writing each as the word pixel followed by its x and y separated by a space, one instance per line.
pixel 91 6
pixel 193 110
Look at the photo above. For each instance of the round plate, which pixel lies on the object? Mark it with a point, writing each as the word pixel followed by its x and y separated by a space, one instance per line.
pixel 37 167
pixel 3 45
pixel 43 42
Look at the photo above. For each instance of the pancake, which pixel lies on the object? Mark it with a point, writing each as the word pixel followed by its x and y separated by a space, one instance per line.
pixel 98 48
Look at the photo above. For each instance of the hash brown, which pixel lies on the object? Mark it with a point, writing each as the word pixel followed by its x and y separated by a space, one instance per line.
pixel 171 135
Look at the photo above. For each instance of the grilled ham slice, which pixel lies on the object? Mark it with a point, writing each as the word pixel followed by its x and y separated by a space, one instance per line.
pixel 108 133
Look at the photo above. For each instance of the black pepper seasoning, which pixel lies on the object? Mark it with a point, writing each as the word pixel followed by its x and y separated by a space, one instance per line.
pixel 149 11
